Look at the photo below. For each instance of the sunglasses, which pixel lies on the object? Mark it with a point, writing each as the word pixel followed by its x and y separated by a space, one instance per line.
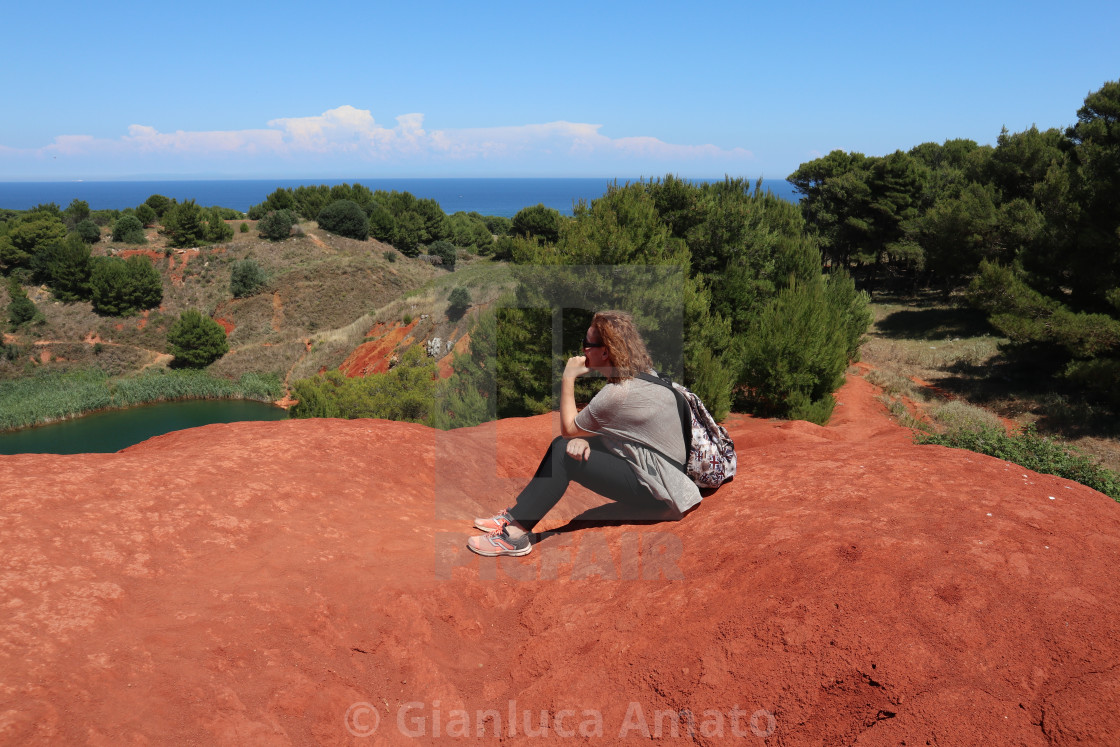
pixel 588 344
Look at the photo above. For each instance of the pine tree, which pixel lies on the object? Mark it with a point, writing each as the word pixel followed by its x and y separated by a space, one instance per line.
pixel 21 309
pixel 196 340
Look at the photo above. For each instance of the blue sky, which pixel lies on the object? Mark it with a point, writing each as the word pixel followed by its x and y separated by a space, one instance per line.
pixel 599 89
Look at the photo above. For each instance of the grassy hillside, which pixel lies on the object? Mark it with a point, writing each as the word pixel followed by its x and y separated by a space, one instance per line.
pixel 322 295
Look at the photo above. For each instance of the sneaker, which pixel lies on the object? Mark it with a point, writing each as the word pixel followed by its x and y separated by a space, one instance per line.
pixel 500 543
pixel 494 523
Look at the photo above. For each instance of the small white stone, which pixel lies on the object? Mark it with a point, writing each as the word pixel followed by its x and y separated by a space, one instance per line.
pixel 1052 498
pixel 989 514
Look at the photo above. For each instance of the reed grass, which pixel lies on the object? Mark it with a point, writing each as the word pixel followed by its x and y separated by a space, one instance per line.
pixel 53 396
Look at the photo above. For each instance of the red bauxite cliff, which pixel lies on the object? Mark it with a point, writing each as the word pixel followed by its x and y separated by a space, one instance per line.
pixel 305 582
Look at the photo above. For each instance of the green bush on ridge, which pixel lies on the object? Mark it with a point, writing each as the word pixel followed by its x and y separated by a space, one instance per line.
pixel 276 225
pixel 1033 451
pixel 345 218
pixel 246 278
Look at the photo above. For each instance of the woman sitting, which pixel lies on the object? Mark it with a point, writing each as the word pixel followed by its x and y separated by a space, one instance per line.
pixel 604 447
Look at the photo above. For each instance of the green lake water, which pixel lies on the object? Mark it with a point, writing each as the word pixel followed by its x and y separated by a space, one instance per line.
pixel 114 430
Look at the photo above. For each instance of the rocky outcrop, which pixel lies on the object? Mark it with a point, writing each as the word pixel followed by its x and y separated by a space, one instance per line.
pixel 303 582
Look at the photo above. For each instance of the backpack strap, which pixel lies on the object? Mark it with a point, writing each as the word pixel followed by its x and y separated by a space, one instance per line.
pixel 683 412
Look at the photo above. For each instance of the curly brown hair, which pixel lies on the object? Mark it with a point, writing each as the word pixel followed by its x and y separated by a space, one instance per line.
pixel 625 348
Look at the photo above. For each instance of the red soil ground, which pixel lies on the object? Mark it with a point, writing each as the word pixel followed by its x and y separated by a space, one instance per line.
pixel 373 356
pixel 462 346
pixel 302 582
pixel 385 339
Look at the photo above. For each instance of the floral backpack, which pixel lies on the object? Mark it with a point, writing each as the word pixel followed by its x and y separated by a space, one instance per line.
pixel 711 452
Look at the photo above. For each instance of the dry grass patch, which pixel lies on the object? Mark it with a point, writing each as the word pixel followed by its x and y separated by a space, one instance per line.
pixel 941 341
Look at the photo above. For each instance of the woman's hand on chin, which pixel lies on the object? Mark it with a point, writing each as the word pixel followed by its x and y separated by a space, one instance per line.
pixel 576 367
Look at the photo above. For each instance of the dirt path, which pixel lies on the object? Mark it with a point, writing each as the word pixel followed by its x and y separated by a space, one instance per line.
pixel 277 311
pixel 316 240
pixel 161 359
pixel 92 339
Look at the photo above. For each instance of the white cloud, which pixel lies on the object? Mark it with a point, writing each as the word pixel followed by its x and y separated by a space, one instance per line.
pixel 348 134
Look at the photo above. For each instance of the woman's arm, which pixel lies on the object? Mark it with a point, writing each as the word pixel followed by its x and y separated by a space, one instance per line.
pixel 575 368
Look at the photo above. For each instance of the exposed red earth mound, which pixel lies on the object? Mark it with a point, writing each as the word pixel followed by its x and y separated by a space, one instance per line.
pixel 462 347
pixel 374 355
pixel 302 582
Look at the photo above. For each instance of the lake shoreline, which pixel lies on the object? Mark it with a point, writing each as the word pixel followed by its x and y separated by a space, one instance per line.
pixel 111 429
pixel 283 404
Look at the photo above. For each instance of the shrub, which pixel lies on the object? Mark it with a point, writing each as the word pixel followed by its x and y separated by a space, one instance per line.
pixel 405 393
pixel 502 249
pixel 129 230
pixel 458 303
pixel 10 256
pixel 76 212
pixel 389 255
pixel 185 225
pixel 497 225
pixel 32 233
pixel 88 231
pixel 406 235
pixel 244 228
pixel 276 225
pixel 216 229
pixel 1028 449
pixel 102 218
pixel 281 199
pixel 119 286
pixel 146 214
pixel 21 309
pixel 481 238
pixel 1098 376
pixel 797 349
pixel 67 265
pixel 537 220
pixel 345 218
pixel 196 340
pixel 382 224
pixel 446 251
pixel 159 203
pixel 245 278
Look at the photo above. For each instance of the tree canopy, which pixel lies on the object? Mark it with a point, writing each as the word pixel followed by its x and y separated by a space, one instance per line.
pixel 122 286
pixel 196 340
pixel 345 218
pixel 1032 224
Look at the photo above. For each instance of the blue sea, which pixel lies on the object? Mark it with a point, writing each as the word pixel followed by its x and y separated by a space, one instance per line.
pixel 490 196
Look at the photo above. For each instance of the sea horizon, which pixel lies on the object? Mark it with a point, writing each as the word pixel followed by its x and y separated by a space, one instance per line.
pixel 501 196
